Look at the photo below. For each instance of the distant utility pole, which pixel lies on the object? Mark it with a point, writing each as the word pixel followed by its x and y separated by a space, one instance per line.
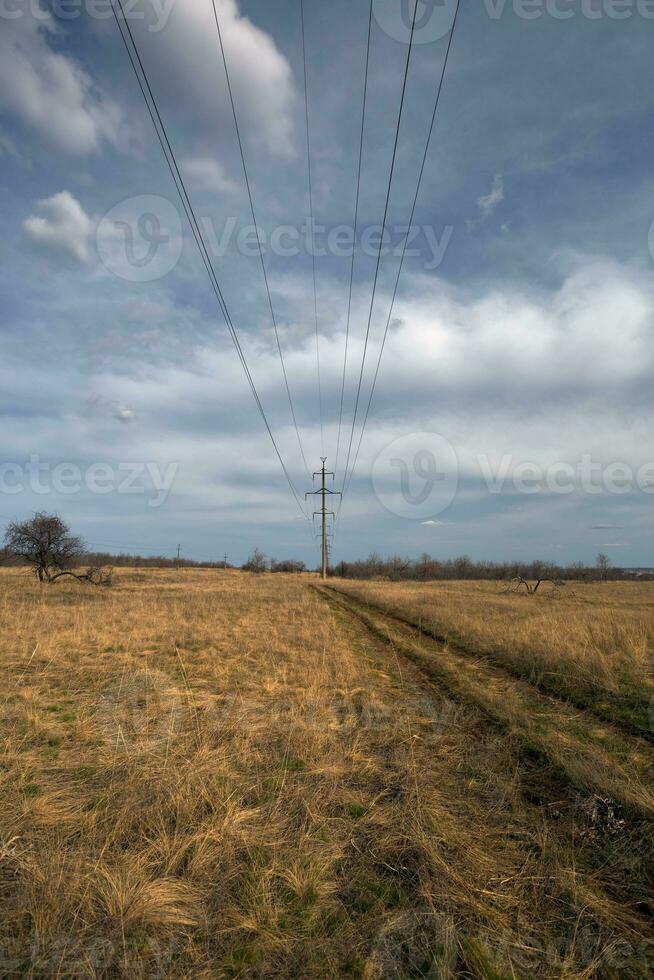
pixel 323 512
pixel 179 548
pixel 225 559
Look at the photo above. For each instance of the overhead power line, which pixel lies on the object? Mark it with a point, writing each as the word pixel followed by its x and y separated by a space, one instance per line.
pixel 379 251
pixel 256 227
pixel 313 250
pixel 404 244
pixel 356 225
pixel 169 155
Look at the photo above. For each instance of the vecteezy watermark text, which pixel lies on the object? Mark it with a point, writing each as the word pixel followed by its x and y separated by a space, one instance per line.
pixel 340 241
pixel 66 955
pixel 417 476
pixel 154 13
pixel 586 475
pixel 433 18
pixel 567 9
pixel 148 479
pixel 140 239
pixel 426 21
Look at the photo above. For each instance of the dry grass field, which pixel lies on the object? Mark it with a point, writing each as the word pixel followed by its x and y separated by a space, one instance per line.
pixel 591 643
pixel 211 774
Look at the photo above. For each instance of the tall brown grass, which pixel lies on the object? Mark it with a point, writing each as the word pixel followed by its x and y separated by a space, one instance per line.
pixel 591 643
pixel 211 774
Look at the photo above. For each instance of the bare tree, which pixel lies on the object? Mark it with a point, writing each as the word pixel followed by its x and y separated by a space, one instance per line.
pixel 398 567
pixel 424 566
pixel 46 544
pixel 257 562
pixel 602 564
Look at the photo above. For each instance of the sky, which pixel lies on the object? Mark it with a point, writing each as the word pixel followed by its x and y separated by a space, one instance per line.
pixel 511 417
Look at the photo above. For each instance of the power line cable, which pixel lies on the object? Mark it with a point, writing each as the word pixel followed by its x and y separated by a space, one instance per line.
pixel 404 244
pixel 256 227
pixel 180 186
pixel 379 251
pixel 313 249
pixel 356 224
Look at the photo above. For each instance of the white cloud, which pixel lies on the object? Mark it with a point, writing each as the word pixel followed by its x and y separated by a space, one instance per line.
pixel 432 523
pixel 594 331
pixel 542 377
pixel 487 203
pixel 62 225
pixel 50 92
pixel 261 77
pixel 207 175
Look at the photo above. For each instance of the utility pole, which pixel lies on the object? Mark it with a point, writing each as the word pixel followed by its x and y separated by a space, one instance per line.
pixel 323 512
pixel 179 548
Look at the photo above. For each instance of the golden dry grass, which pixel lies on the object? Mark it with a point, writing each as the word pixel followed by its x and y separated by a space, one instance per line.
pixel 598 757
pixel 211 774
pixel 592 643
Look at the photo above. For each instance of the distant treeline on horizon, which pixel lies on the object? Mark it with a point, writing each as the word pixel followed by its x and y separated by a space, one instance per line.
pixel 427 568
pixel 395 568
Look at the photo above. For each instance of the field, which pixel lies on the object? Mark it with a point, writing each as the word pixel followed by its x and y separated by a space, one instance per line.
pixel 216 774
pixel 590 643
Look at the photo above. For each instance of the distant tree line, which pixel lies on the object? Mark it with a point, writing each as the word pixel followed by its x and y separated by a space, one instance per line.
pixel 97 558
pixel 425 569
pixel 259 563
pixel 45 543
pixel 152 561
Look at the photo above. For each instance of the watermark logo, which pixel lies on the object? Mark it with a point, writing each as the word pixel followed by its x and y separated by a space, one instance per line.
pixel 153 13
pixel 569 9
pixel 433 19
pixel 416 475
pixel 140 239
pixel 142 710
pixel 414 943
pixel 95 955
pixel 425 242
pixel 42 478
pixel 583 475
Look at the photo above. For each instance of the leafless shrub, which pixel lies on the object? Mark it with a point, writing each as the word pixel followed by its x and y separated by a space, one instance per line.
pixel 517 584
pixel 99 575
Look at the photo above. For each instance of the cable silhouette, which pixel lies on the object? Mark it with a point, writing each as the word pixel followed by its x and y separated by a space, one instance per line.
pixel 356 224
pixel 404 245
pixel 256 227
pixel 313 250
pixel 381 239
pixel 180 186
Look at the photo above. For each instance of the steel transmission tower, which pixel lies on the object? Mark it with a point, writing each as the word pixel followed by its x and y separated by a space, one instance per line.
pixel 323 512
